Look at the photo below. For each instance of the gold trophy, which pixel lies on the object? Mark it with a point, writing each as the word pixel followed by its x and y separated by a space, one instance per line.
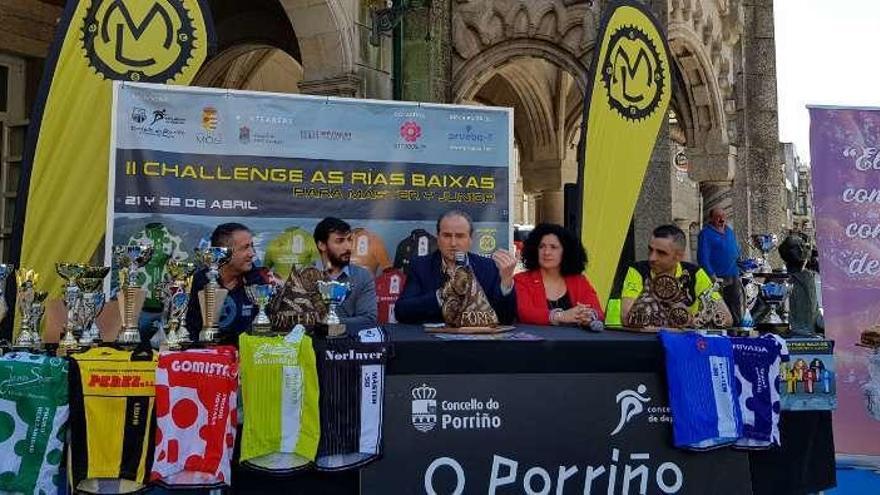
pixel 26 280
pixel 260 294
pixel 180 274
pixel 92 300
pixel 71 272
pixel 5 271
pixel 129 259
pixel 212 296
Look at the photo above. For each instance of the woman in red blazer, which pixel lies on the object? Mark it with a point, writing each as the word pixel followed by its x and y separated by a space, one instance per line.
pixel 554 290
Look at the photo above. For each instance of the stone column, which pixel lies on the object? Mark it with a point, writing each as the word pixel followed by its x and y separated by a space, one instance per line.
pixel 757 113
pixel 719 194
pixel 427 52
pixel 549 207
pixel 544 176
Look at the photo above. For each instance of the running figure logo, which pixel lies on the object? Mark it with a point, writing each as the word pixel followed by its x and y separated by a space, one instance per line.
pixel 631 404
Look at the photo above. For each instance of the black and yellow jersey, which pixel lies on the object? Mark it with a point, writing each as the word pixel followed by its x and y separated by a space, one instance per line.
pixel 112 398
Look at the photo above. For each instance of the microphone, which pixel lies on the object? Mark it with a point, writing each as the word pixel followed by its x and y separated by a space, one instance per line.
pixel 460 258
pixel 596 326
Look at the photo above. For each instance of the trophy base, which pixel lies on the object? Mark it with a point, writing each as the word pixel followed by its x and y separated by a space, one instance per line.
pixel 209 335
pixel 129 336
pixel 68 346
pixel 261 328
pixel 24 341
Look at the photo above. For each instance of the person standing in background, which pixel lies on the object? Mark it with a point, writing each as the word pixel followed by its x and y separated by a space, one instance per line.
pixel 717 254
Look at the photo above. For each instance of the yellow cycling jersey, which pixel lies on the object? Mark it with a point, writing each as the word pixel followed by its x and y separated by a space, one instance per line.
pixel 112 398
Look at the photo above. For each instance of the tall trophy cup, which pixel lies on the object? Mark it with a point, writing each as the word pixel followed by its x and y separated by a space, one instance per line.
pixel 26 280
pixel 212 296
pixel 5 271
pixel 92 301
pixel 131 297
pixel 333 294
pixel 180 274
pixel 70 272
pixel 260 294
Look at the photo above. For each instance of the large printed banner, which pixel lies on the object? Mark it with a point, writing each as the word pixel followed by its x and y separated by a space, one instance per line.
pixel 187 159
pixel 568 434
pixel 845 150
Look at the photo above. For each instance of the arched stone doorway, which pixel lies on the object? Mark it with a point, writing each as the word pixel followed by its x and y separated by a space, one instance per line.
pixel 531 57
pixel 305 46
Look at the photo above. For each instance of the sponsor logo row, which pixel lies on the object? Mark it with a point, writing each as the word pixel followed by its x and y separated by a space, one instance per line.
pixel 268 130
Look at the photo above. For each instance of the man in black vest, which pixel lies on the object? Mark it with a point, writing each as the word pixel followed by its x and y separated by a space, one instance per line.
pixel 666 252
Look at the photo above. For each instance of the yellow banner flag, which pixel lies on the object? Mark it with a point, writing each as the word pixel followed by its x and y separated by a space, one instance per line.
pixel 626 100
pixel 63 194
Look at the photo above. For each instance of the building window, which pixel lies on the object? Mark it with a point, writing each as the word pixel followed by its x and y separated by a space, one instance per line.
pixel 4 89
pixel 13 127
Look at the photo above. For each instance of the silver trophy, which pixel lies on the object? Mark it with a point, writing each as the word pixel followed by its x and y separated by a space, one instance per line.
pixel 177 287
pixel 129 259
pixel 26 280
pixel 751 289
pixel 5 271
pixel 333 294
pixel 765 243
pixel 775 294
pixel 260 295
pixel 212 296
pixel 92 300
pixel 71 273
pixel 38 308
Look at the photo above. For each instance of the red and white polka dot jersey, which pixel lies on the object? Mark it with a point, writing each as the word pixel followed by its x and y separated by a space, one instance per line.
pixel 195 416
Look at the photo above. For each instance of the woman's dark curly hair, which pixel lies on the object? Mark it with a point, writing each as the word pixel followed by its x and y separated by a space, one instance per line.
pixel 574 256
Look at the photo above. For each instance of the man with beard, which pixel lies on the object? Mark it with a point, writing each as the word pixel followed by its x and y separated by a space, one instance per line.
pixel 334 240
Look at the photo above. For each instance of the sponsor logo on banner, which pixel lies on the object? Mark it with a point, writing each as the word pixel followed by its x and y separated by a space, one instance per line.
pixel 138 115
pixel 116 33
pixel 410 131
pixel 470 117
pixel 468 139
pixel 325 135
pixel 631 403
pixel 453 413
pixel 424 408
pixel 487 240
pixel 210 121
pixel 252 128
pixel 155 122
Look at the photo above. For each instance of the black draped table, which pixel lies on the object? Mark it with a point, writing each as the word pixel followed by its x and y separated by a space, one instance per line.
pixel 550 410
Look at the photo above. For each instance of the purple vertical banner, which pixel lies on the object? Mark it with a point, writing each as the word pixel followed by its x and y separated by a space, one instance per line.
pixel 845 149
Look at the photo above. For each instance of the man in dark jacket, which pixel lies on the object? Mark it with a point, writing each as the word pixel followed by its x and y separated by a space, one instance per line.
pixel 421 300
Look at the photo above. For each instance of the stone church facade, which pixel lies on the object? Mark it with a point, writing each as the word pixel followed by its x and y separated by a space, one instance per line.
pixel 719 148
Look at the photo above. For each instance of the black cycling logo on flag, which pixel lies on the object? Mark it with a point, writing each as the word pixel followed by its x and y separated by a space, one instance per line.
pixel 138 40
pixel 633 73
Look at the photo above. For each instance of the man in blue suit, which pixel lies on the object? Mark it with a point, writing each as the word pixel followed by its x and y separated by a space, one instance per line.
pixel 421 301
